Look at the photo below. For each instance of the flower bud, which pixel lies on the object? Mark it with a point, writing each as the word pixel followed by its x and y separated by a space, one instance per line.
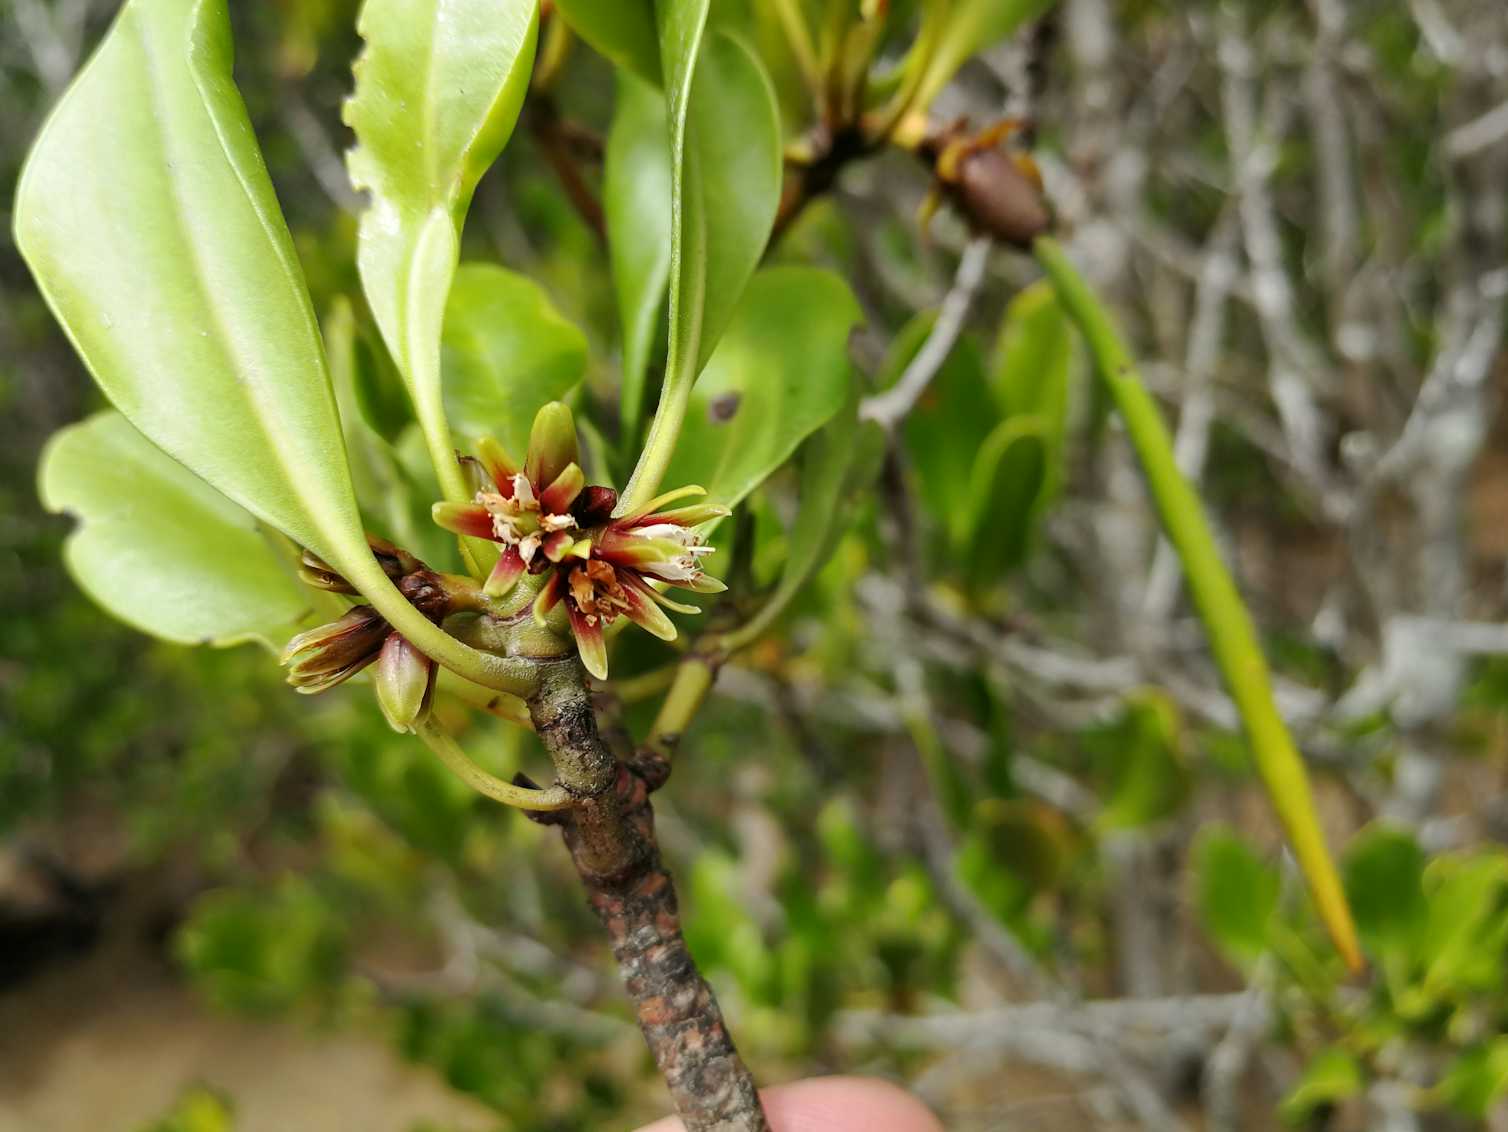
pixel 405 683
pixel 394 560
pixel 315 571
pixel 999 197
pixel 395 563
pixel 426 592
pixel 594 506
pixel 323 657
pixel 552 444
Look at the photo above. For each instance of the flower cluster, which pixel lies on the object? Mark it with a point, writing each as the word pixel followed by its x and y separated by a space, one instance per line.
pixel 547 520
pixel 330 654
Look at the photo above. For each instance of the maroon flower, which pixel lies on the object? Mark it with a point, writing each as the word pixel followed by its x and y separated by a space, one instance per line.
pixel 547 520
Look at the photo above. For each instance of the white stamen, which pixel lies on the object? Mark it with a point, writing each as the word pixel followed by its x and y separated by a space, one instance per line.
pixel 523 491
pixel 685 536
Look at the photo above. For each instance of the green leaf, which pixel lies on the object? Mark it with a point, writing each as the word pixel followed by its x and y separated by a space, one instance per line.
pixel 396 507
pixel 1384 878
pixel 1033 355
pixel 1227 622
pixel 1332 1076
pixel 507 351
pixel 947 428
pixel 1006 495
pixel 438 90
pixel 622 30
pixel 726 170
pixel 1019 468
pixel 1477 1080
pixel 838 463
pixel 780 373
pixel 1465 936
pixel 636 202
pixel 970 26
pixel 158 547
pixel 265 951
pixel 376 385
pixel 1142 757
pixel 1238 894
pixel 147 217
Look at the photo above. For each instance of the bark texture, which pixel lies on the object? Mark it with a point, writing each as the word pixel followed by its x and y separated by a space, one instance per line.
pixel 611 838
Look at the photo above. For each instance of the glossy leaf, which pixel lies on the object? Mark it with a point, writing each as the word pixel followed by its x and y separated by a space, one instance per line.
pixel 726 170
pixel 1141 756
pixel 1332 1075
pixel 1237 894
pixel 946 429
pixel 622 30
pixel 1478 1079
pixel 1384 877
pixel 507 351
pixel 838 463
pixel 159 548
pixel 780 373
pixel 377 386
pixel 1029 372
pixel 1466 929
pixel 968 27
pixel 438 90
pixel 147 217
pixel 636 203
pixel 394 505
pixel 1020 465
pixel 1006 494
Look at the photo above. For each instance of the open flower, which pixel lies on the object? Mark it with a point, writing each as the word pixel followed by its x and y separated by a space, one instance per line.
pixel 549 521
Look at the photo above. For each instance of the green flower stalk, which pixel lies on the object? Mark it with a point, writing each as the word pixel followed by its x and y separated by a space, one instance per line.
pixel 551 524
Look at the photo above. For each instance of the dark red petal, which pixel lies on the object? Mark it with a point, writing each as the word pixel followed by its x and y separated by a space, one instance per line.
pixel 563 490
pixel 642 609
pixel 470 519
pixel 557 544
pixel 549 595
pixel 589 643
pixel 499 465
pixel 507 571
pixel 594 505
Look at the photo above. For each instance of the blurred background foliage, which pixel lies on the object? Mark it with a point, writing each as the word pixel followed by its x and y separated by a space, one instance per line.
pixel 975 815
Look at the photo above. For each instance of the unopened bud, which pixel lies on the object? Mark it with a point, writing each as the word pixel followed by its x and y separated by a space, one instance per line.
pixel 315 571
pixel 426 592
pixel 405 682
pixel 997 196
pixel 395 563
pixel 330 654
pixel 594 506
pixel 552 444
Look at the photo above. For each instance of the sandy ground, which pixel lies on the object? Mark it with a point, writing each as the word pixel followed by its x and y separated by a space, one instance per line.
pixel 108 1042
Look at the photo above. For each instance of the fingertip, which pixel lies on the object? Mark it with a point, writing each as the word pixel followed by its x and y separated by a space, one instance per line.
pixel 846 1104
pixel 837 1104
